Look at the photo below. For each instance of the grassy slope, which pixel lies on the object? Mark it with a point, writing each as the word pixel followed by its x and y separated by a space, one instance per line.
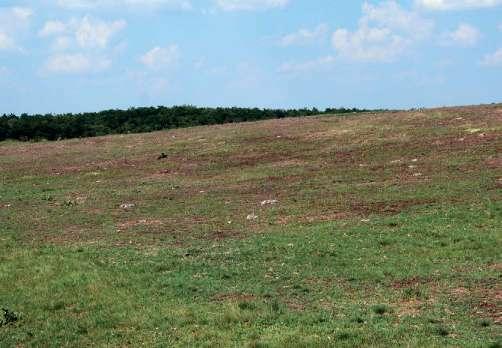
pixel 387 231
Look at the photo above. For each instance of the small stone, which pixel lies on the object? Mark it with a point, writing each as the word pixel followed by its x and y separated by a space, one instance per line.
pixel 127 205
pixel 269 202
pixel 251 217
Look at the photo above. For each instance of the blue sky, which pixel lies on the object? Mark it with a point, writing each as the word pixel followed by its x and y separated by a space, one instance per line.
pixel 87 55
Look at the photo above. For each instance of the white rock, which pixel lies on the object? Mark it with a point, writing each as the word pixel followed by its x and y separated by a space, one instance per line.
pixel 251 217
pixel 127 205
pixel 269 202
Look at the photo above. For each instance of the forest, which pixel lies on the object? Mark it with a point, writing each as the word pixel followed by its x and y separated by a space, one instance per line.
pixel 139 120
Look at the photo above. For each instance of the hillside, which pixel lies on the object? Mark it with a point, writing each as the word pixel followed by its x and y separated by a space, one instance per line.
pixel 371 229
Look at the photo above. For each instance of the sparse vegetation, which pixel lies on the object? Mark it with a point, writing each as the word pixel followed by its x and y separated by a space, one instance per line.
pixel 101 244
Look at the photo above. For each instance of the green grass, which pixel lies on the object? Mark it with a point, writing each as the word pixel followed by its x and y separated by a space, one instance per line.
pixel 350 255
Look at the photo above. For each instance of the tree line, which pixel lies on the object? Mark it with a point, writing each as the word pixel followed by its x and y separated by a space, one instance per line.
pixel 138 120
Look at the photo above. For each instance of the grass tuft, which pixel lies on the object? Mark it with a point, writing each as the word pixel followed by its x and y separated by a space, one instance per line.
pixel 381 309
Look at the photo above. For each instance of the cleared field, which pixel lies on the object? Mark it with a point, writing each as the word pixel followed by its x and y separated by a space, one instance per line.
pixel 360 230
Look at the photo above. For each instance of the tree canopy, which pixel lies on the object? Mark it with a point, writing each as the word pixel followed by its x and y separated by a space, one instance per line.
pixel 138 120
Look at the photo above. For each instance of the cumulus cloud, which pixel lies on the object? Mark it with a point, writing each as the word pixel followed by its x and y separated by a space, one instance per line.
pixel 85 32
pixel 457 4
pixel 493 59
pixel 94 4
pixel 385 31
pixel 250 5
pixel 81 45
pixel 465 35
pixel 93 33
pixel 161 57
pixel 77 63
pixel 13 22
pixel 305 36
pixel 52 28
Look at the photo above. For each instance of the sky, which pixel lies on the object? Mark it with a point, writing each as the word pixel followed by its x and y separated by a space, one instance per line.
pixel 61 56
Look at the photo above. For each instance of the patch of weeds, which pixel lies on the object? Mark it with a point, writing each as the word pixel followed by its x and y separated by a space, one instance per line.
pixel 48 198
pixel 496 344
pixel 344 336
pixel 441 330
pixel 381 309
pixel 257 344
pixel 244 305
pixel 69 203
pixel 357 319
pixel 275 306
pixel 492 210
pixel 161 268
pixel 9 317
pixel 385 242
pixel 231 315
pixel 82 330
pixel 301 289
pixel 413 293
pixel 56 306
pixel 484 323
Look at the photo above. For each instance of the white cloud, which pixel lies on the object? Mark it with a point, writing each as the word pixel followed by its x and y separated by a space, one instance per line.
pixel 308 66
pixel 143 4
pixel 250 5
pixel 465 35
pixel 6 42
pixel 161 57
pixel 22 13
pixel 389 14
pixel 86 33
pixel 13 22
pixel 95 33
pixel 456 4
pixel 62 43
pixel 384 33
pixel 305 36
pixel 493 60
pixel 52 28
pixel 78 63
pixel 81 45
